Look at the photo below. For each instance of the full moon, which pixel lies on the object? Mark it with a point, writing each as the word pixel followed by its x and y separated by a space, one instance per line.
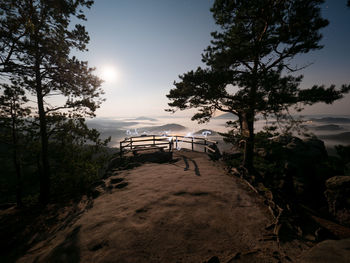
pixel 109 74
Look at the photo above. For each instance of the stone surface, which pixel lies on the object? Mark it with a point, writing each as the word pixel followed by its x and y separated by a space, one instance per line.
pixel 338 182
pixel 302 176
pixel 189 210
pixel 338 198
pixel 214 259
pixel 335 251
pixel 116 180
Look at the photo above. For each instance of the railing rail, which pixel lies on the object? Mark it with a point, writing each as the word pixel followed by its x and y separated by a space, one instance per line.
pixel 139 142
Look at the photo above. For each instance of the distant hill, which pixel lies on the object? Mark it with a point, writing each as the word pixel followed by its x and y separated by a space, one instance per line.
pixel 167 127
pixel 332 120
pixel 226 116
pixel 343 137
pixel 328 127
pixel 106 124
pixel 143 118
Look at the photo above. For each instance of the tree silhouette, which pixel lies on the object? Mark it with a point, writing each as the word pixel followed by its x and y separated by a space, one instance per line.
pixel 37 41
pixel 13 114
pixel 249 70
pixel 11 30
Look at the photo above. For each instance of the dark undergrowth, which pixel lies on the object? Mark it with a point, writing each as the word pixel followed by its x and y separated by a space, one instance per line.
pixel 290 174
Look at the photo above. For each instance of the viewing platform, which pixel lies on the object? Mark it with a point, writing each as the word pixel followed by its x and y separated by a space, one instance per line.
pixel 166 142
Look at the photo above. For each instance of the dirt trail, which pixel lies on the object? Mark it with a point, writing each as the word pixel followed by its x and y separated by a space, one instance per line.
pixel 186 211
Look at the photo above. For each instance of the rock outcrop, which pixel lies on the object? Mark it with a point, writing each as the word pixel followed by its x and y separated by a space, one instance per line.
pixel 328 251
pixel 299 168
pixel 338 198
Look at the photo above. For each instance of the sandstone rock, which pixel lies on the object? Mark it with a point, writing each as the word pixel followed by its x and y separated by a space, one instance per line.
pixel 121 185
pixel 95 193
pixel 214 259
pixel 338 198
pixel 308 148
pixel 301 175
pixel 98 183
pixel 328 251
pixel 337 182
pixel 116 180
pixel 234 171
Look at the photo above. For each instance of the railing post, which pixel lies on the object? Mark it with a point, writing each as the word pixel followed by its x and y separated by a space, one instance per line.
pixel 154 140
pixel 176 143
pixel 192 144
pixel 130 143
pixel 205 145
pixel 121 149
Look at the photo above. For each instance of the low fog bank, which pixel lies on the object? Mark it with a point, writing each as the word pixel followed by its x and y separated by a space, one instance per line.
pixel 333 130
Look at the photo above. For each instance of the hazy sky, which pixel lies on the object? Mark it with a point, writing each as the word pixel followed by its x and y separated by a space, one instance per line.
pixel 141 46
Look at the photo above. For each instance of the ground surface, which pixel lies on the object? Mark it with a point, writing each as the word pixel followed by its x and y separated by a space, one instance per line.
pixel 186 211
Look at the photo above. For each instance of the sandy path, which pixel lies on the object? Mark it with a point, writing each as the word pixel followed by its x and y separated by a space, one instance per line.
pixel 187 211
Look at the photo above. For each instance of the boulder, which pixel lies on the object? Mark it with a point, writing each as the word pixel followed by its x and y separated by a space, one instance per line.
pixel 302 176
pixel 328 251
pixel 338 197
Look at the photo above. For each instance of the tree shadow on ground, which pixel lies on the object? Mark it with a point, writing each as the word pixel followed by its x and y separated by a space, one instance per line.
pixel 68 250
pixel 21 229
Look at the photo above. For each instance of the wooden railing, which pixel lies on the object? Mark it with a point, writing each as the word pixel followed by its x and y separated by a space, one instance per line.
pixel 146 142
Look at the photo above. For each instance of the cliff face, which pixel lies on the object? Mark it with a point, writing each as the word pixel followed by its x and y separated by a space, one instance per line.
pixel 296 168
pixel 338 198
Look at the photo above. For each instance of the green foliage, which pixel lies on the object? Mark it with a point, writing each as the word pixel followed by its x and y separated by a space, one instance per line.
pixel 271 160
pixel 37 39
pixel 13 113
pixel 9 181
pixel 233 136
pixel 232 162
pixel 42 39
pixel 78 156
pixel 12 119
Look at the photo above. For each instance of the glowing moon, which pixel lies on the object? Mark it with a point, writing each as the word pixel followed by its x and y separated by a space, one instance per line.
pixel 109 74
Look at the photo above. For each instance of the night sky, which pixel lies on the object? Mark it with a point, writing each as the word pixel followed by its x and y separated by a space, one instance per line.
pixel 141 46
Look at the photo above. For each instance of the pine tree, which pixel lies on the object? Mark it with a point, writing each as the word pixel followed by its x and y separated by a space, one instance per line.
pixel 43 38
pixel 249 64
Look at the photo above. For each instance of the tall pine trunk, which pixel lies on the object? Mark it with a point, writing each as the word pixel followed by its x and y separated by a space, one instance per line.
pixel 45 174
pixel 248 121
pixel 16 163
pixel 248 137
